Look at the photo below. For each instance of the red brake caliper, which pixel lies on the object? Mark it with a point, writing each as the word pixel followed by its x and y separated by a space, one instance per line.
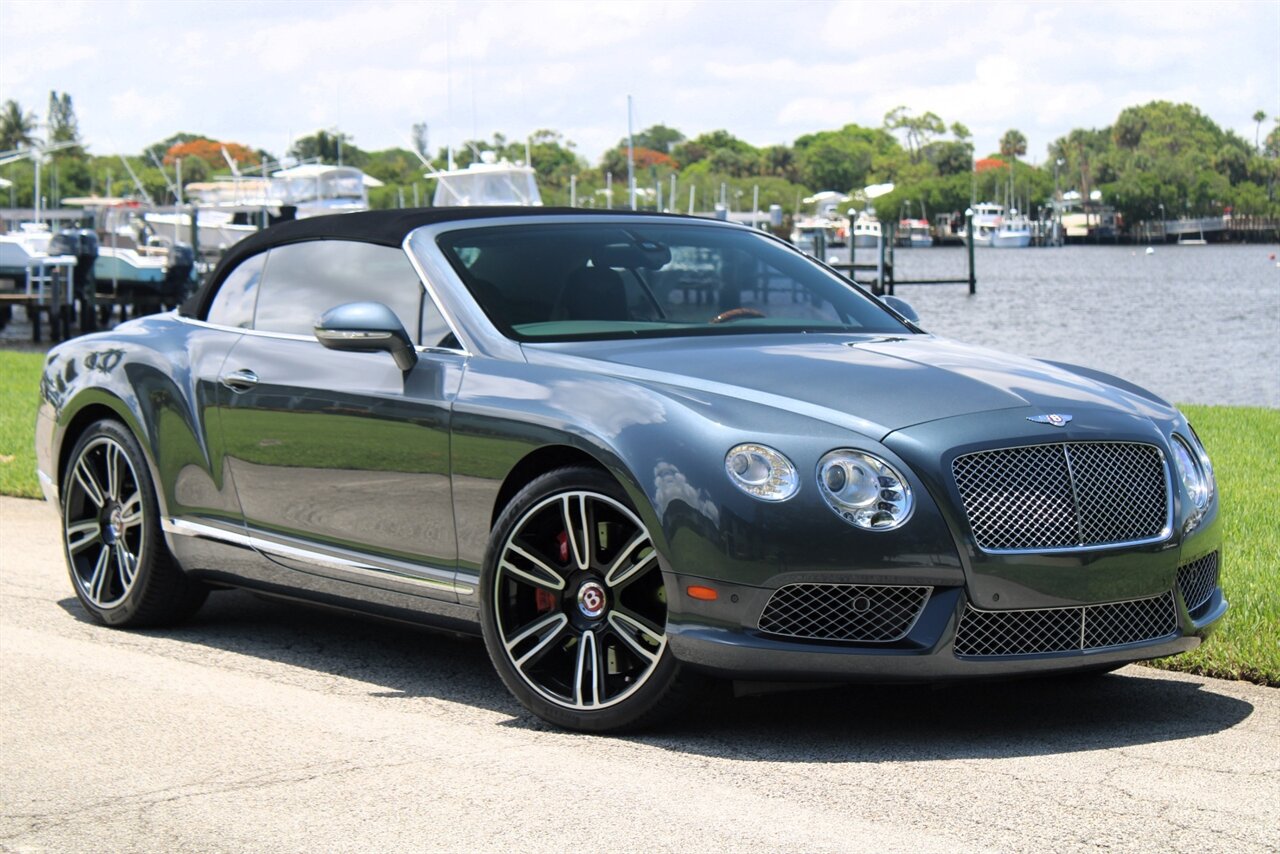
pixel 545 600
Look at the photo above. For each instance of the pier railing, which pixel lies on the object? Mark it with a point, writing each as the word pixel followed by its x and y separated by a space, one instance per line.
pixel 885 282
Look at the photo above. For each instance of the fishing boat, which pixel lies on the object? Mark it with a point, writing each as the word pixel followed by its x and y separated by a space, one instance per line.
pixel 914 233
pixel 229 209
pixel 488 181
pixel 866 231
pixel 19 248
pixel 992 228
pixel 132 255
pixel 217 228
pixel 826 230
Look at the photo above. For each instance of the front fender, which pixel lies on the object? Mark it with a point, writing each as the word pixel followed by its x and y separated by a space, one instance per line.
pixel 667 446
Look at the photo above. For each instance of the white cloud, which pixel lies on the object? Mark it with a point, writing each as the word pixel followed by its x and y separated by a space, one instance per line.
pixel 258 72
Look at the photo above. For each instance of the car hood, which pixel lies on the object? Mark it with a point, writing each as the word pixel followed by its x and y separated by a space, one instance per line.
pixel 873 384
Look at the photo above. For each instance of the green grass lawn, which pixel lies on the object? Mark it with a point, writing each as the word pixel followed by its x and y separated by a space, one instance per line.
pixel 1243 442
pixel 19 394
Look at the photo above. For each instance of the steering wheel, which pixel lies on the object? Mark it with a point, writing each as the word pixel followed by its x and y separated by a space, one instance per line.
pixel 738 313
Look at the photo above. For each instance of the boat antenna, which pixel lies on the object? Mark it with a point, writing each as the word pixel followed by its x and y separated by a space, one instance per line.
pixel 142 191
pixel 160 167
pixel 631 159
pixel 235 170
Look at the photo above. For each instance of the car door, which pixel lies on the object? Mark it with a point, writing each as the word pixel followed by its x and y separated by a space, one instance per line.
pixel 340 460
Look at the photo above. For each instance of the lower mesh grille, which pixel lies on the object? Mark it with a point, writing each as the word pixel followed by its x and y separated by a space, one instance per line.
pixel 844 612
pixel 984 633
pixel 1197 580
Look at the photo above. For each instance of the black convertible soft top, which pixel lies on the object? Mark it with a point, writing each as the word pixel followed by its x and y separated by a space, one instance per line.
pixel 387 228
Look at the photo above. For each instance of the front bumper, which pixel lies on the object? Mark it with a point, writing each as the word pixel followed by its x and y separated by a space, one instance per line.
pixel 927 653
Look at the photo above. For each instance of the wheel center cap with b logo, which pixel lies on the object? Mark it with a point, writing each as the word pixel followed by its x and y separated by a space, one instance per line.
pixel 591 599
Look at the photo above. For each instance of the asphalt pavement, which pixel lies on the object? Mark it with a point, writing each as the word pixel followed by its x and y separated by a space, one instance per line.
pixel 264 726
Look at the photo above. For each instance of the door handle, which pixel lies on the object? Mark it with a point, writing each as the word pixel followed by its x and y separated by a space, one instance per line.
pixel 239 381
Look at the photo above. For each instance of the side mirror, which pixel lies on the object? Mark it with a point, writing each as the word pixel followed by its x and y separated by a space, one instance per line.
pixel 366 327
pixel 902 307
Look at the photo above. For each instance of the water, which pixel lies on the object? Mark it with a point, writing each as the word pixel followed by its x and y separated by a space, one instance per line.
pixel 1194 324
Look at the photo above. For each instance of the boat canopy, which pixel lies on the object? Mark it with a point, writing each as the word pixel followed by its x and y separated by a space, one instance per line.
pixel 502 183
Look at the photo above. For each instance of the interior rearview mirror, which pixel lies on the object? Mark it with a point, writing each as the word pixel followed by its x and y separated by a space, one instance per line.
pixel 365 327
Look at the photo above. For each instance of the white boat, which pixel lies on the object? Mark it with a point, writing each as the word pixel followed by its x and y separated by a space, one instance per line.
pixel 826 225
pixel 130 252
pixel 866 231
pixel 229 209
pixel 992 228
pixel 914 233
pixel 488 181
pixel 218 228
pixel 19 248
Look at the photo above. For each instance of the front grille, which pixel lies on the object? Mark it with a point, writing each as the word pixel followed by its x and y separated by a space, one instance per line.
pixel 1046 630
pixel 1197 580
pixel 844 612
pixel 1061 496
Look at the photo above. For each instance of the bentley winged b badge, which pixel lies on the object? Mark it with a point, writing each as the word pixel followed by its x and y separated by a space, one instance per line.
pixel 1053 418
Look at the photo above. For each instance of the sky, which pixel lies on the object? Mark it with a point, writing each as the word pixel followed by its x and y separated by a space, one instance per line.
pixel 263 73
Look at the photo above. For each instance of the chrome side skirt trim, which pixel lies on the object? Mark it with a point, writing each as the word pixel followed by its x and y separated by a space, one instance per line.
pixel 363 569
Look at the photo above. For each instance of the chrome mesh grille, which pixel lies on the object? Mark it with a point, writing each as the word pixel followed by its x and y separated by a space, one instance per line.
pixel 1042 630
pixel 1197 580
pixel 1063 495
pixel 843 612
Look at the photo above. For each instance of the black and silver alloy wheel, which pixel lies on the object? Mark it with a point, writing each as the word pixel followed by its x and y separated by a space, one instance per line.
pixel 120 567
pixel 103 522
pixel 574 607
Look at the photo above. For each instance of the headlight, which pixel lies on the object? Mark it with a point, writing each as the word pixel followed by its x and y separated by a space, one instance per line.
pixel 1210 480
pixel 761 472
pixel 864 490
pixel 1192 473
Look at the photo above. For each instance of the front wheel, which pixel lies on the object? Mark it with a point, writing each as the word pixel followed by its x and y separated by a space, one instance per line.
pixel 120 567
pixel 574 608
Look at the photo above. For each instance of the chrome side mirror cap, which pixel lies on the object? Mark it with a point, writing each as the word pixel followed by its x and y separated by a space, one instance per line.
pixel 366 327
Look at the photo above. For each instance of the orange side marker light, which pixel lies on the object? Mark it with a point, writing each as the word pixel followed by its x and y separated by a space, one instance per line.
pixel 706 594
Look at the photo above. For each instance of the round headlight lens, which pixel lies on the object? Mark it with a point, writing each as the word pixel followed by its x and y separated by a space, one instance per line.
pixel 1189 469
pixel 864 490
pixel 1211 482
pixel 761 472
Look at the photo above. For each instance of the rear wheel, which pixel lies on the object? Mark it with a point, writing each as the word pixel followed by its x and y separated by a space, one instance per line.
pixel 574 608
pixel 120 567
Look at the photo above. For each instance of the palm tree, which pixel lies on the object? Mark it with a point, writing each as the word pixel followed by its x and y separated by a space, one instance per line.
pixel 16 127
pixel 1259 117
pixel 1012 144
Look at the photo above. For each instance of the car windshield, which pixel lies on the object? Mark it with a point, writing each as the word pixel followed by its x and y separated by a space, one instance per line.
pixel 574 281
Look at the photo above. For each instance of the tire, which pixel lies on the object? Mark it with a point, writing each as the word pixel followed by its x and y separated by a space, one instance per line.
pixel 577 634
pixel 120 567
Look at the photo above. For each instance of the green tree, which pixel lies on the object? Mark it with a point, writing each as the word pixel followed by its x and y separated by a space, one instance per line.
pixel 63 125
pixel 701 147
pixel 848 158
pixel 16 126
pixel 420 138
pixel 918 130
pixel 1258 117
pixel 658 138
pixel 328 148
pixel 1013 144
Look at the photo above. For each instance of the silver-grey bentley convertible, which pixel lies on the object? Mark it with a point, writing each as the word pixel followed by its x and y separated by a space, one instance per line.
pixel 633 451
